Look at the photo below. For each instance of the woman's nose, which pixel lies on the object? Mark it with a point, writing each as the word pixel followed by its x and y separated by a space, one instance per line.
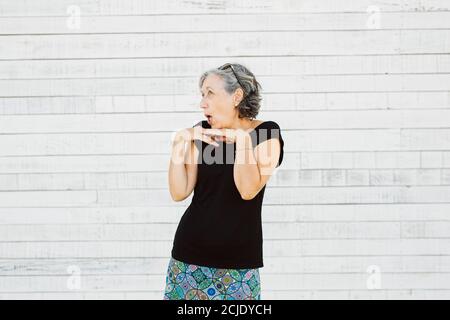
pixel 203 104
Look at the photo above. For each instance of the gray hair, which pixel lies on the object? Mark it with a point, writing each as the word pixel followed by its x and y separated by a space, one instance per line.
pixel 251 103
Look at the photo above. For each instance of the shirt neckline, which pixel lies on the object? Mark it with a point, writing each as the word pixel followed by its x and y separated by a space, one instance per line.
pixel 248 131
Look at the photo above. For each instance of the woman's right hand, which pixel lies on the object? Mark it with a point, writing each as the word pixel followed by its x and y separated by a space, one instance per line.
pixel 195 133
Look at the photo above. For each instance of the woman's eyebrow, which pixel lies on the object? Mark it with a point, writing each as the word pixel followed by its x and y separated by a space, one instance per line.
pixel 206 88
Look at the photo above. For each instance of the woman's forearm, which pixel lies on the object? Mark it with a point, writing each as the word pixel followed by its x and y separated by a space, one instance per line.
pixel 177 170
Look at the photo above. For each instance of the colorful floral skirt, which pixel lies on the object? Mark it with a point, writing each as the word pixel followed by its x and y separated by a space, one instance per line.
pixel 191 282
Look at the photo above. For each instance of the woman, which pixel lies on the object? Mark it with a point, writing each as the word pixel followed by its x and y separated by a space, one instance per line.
pixel 217 250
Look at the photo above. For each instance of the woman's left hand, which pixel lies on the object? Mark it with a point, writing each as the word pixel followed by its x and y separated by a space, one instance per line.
pixel 227 135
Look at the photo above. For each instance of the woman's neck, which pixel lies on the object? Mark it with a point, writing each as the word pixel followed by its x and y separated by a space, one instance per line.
pixel 243 123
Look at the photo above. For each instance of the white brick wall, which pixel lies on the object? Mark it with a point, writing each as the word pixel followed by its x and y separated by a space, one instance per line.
pixel 360 88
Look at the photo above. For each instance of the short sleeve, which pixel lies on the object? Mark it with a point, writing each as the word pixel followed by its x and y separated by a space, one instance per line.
pixel 268 130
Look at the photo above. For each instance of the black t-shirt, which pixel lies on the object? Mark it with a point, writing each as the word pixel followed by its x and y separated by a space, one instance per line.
pixel 219 229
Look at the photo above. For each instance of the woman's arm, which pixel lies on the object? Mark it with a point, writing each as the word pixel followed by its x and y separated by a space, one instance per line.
pixel 254 167
pixel 183 163
pixel 182 169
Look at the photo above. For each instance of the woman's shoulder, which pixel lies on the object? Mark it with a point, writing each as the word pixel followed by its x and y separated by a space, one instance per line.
pixel 268 124
pixel 265 130
pixel 271 123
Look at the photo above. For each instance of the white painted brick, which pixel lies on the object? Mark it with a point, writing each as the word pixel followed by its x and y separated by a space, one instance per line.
pixel 310 177
pixel 342 160
pixel 333 178
pixel 381 177
pixel 357 177
pixel 428 177
pixel 431 159
pixel 445 177
pixel 103 104
pixel 86 118
pixel 405 177
pixel 8 182
pixel 316 160
pixel 386 160
pixel 446 159
pixel 364 160
pixel 409 159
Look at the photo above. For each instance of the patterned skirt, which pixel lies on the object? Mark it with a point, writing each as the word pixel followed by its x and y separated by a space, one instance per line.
pixel 192 282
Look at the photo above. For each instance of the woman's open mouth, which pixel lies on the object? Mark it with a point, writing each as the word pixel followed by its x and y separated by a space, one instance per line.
pixel 209 118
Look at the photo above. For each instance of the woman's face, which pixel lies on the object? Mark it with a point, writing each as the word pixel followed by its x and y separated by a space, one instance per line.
pixel 217 104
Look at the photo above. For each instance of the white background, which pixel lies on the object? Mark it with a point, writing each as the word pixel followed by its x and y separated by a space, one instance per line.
pixel 91 92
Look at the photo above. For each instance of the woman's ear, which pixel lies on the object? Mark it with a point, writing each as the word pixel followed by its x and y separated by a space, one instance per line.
pixel 238 96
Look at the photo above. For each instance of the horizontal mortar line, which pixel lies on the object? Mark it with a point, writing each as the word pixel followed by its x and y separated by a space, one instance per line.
pixel 168 154
pixel 184 207
pixel 221 31
pixel 393 239
pixel 358 290
pixel 264 291
pixel 112 95
pixel 195 112
pixel 90 207
pixel 137 112
pixel 170 131
pixel 265 257
pixel 86 259
pixel 24 173
pixel 264 222
pixel 267 187
pixel 231 56
pixel 170 95
pixel 234 56
pixel 265 239
pixel 218 31
pixel 212 12
pixel 241 55
pixel 263 93
pixel 265 273
pixel 259 75
pixel 300 220
pixel 362 289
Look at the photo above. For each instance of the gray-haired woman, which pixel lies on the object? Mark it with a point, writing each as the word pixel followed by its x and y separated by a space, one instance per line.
pixel 217 250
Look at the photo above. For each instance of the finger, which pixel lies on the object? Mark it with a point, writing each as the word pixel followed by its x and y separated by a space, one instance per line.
pixel 212 134
pixel 210 141
pixel 216 138
pixel 218 132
